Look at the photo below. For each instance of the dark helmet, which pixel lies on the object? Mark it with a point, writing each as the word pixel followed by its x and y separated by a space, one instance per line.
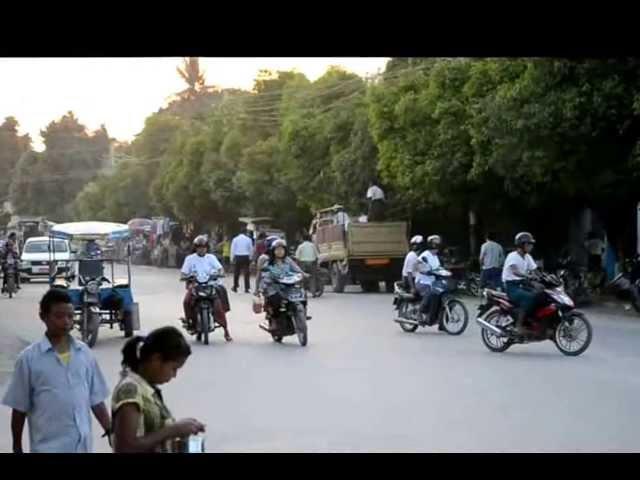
pixel 200 241
pixel 269 241
pixel 523 238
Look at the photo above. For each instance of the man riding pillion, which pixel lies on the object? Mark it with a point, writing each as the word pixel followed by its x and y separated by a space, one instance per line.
pixel 518 267
pixel 428 262
pixel 202 265
pixel 410 268
pixel 279 264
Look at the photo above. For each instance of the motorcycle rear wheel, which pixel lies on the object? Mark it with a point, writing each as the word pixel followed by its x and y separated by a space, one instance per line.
pixel 406 327
pixel 493 342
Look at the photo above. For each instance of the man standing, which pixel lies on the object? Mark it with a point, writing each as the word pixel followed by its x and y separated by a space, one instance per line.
pixel 491 259
pixel 56 385
pixel 375 197
pixel 307 255
pixel 241 251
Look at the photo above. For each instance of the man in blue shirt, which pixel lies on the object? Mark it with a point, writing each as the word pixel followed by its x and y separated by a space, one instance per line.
pixel 55 385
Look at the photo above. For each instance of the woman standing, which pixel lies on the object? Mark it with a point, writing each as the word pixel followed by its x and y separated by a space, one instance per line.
pixel 142 423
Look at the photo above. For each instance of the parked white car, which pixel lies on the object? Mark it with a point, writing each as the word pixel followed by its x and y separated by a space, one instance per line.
pixel 34 261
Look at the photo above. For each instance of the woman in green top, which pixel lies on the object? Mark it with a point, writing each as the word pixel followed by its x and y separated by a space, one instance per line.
pixel 141 420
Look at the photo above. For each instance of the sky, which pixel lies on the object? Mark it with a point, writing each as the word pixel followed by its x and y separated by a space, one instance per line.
pixel 122 92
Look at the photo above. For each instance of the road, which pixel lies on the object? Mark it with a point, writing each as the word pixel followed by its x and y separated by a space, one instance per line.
pixel 364 385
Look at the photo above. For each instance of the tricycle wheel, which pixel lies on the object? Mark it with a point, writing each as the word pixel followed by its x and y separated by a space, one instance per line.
pixel 128 325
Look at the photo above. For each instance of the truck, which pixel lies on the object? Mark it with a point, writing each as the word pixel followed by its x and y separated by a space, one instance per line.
pixel 359 252
pixel 27 227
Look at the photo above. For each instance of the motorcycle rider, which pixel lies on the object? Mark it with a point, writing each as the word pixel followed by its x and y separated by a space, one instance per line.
pixel 428 262
pixel 201 265
pixel 518 267
pixel 410 268
pixel 92 249
pixel 10 250
pixel 263 260
pixel 279 264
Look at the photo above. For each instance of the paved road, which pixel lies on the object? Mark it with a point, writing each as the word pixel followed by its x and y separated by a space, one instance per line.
pixel 364 385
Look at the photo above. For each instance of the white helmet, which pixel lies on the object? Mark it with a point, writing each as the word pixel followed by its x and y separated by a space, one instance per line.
pixel 433 240
pixel 416 240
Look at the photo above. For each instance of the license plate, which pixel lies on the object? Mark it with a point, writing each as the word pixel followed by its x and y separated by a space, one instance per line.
pixel 377 261
pixel 41 270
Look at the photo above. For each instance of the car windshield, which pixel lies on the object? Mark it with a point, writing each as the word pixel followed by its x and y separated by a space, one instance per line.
pixel 43 247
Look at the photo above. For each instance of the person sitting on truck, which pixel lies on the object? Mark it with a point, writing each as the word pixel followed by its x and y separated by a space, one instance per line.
pixel 428 262
pixel 410 268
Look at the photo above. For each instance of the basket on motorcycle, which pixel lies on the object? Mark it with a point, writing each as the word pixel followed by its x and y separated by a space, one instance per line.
pixel 257 305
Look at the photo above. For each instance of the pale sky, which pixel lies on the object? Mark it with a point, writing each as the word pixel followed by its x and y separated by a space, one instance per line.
pixel 122 92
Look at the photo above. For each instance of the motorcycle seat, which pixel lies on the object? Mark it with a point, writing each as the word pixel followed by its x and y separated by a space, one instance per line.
pixel 121 283
pixel 497 294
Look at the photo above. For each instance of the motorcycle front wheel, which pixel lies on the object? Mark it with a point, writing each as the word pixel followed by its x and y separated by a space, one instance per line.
pixel 456 317
pixel 204 325
pixel 492 341
pixel 301 325
pixel 573 334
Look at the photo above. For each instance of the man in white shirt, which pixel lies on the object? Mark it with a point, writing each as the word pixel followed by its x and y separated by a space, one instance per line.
pixel 375 197
pixel 428 262
pixel 201 265
pixel 307 256
pixel 241 253
pixel 410 267
pixel 518 266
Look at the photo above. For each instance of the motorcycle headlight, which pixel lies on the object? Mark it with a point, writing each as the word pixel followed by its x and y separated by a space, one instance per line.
pixel 93 287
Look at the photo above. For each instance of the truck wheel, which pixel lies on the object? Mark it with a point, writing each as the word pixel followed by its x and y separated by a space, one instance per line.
pixel 338 280
pixel 389 286
pixel 370 286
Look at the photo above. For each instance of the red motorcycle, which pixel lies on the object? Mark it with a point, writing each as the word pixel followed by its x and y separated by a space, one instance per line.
pixel 556 320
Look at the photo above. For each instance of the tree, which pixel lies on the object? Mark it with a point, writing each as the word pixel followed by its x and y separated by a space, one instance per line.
pixel 47 184
pixel 12 147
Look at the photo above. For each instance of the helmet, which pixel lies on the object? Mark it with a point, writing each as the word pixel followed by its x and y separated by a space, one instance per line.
pixel 524 237
pixel 200 241
pixel 416 240
pixel 434 240
pixel 279 242
pixel 270 239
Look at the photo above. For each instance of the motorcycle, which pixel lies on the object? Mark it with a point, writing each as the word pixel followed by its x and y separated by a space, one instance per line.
pixel 470 284
pixel 574 279
pixel 291 319
pixel 10 269
pixel 556 320
pixel 627 283
pixel 452 313
pixel 205 295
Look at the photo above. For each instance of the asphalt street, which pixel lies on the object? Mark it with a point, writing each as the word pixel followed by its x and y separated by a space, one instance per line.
pixel 363 385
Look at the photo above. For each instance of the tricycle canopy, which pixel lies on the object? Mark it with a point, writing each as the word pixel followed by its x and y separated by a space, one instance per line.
pixel 90 231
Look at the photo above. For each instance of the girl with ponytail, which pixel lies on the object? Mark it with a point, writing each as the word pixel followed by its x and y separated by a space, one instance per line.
pixel 141 420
